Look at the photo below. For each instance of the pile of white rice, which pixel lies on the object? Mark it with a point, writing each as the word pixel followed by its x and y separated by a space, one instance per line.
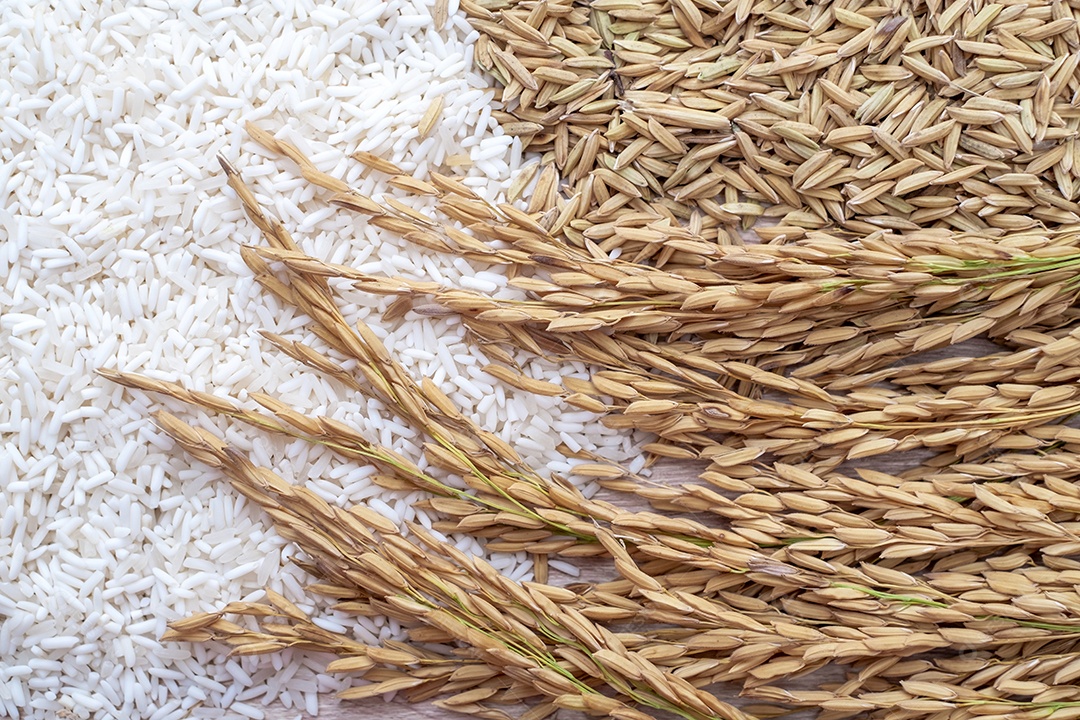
pixel 119 248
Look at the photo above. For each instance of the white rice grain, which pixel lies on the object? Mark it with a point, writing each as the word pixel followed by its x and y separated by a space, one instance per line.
pixel 119 248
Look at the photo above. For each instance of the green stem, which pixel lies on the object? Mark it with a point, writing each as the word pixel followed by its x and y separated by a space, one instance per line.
pixel 915 600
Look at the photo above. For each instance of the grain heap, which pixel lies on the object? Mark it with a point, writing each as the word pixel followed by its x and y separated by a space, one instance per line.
pixel 863 115
pixel 918 162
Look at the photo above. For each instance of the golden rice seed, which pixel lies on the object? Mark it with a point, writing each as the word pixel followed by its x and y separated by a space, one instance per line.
pixel 431 115
pixel 376 163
